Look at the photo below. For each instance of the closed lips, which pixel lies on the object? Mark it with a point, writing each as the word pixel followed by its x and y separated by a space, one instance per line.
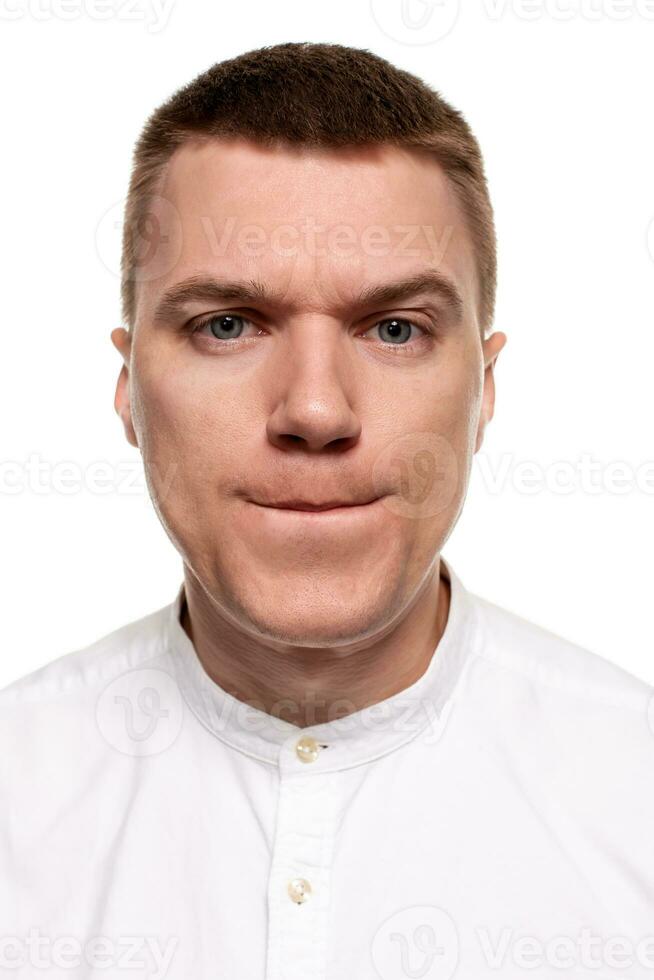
pixel 309 505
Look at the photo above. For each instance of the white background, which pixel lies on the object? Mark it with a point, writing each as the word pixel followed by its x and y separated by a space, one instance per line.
pixel 560 97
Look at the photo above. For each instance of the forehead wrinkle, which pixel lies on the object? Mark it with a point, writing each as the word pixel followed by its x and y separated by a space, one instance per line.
pixel 208 288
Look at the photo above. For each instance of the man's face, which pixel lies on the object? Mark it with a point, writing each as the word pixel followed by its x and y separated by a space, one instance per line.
pixel 310 388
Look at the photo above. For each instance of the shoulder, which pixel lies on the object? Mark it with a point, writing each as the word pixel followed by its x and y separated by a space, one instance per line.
pixel 561 712
pixel 557 667
pixel 61 710
pixel 74 674
pixel 62 721
pixel 72 733
pixel 568 736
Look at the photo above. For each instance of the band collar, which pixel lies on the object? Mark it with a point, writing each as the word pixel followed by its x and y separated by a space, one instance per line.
pixel 357 738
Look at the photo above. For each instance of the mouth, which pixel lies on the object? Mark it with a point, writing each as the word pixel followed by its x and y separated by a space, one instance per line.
pixel 326 507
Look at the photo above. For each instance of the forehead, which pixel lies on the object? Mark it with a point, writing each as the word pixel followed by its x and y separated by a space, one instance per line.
pixel 315 221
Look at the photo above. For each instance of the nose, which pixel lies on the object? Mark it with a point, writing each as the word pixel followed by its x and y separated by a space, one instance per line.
pixel 314 387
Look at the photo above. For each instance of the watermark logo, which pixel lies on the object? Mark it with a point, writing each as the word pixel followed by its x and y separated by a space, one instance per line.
pixel 417 942
pixel 140 713
pixel 156 238
pixel 426 474
pixel 415 21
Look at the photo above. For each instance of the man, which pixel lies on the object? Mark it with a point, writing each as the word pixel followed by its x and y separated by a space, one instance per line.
pixel 325 758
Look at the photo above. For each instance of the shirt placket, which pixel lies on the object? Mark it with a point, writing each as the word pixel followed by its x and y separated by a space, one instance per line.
pixel 299 882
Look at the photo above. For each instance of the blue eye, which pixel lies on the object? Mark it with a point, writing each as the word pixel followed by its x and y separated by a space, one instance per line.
pixel 224 326
pixel 397 330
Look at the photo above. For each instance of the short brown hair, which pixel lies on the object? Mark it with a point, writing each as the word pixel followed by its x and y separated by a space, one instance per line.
pixel 325 95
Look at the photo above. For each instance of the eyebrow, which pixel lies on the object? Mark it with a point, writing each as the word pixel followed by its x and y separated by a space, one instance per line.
pixel 210 289
pixel 430 281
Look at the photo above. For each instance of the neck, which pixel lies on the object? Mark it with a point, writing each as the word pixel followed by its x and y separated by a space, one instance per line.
pixel 311 685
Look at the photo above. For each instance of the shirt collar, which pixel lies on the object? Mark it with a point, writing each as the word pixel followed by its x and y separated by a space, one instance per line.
pixel 364 735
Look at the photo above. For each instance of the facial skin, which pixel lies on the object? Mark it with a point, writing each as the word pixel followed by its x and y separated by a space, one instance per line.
pixel 308 393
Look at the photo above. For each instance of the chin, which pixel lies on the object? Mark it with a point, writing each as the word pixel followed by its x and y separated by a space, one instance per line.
pixel 313 620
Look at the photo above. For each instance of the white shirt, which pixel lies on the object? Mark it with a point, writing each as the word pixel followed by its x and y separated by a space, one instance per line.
pixel 494 819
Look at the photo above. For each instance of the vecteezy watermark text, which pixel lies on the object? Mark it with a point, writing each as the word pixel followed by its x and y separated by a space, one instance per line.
pixel 498 474
pixel 153 13
pixel 42 476
pixel 67 952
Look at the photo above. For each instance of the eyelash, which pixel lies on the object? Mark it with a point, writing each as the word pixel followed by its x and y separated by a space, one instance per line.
pixel 427 333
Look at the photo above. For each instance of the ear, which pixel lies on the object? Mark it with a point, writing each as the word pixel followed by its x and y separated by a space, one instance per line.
pixel 490 348
pixel 122 341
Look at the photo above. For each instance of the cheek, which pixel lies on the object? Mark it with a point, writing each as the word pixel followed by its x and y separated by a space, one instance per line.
pixel 185 442
pixel 432 446
pixel 446 400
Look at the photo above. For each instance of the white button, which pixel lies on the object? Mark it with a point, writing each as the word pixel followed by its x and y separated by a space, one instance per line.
pixel 299 890
pixel 307 749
